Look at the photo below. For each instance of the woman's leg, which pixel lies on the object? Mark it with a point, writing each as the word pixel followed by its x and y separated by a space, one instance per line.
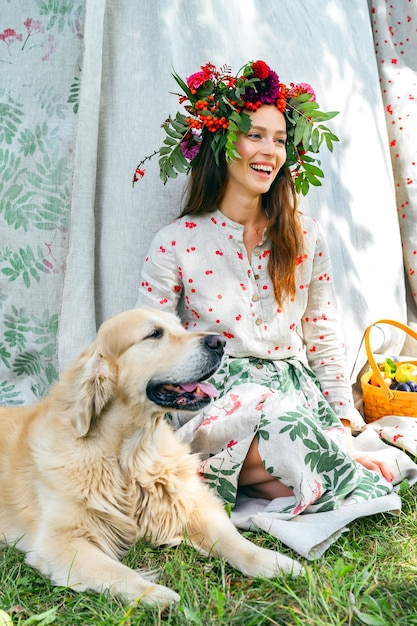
pixel 255 481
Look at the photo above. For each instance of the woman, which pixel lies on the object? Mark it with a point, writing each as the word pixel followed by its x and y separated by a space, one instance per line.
pixel 242 261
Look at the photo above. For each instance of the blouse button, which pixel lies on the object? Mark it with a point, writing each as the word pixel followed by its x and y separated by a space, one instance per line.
pixel 258 322
pixel 259 366
pixel 256 251
pixel 255 298
pixel 256 276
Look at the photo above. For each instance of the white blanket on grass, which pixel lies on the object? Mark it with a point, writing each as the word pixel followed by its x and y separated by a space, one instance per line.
pixel 310 534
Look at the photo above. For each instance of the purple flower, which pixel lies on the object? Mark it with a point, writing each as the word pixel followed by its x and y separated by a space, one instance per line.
pixel 190 149
pixel 267 90
pixel 190 146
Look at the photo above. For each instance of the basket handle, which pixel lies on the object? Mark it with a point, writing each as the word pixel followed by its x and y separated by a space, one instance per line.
pixel 370 355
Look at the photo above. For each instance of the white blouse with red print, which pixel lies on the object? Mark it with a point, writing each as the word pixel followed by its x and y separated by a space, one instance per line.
pixel 198 268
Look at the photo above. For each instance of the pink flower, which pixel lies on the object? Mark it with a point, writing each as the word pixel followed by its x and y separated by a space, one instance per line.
pixel 231 443
pixel 9 36
pixel 206 422
pixel 51 49
pixel 33 26
pixel 233 405
pixel 301 88
pixel 196 80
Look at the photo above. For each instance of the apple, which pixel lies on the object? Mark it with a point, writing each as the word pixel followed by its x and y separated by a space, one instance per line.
pixel 406 372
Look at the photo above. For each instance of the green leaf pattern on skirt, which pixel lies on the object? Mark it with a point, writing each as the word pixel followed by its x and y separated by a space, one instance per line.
pixel 300 438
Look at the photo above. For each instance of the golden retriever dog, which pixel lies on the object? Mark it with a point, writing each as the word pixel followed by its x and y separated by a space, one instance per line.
pixel 95 466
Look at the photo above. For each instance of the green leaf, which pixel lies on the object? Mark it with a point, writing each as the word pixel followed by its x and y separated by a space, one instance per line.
pixel 313 169
pixel 42 619
pixel 390 367
pixel 175 134
pixel 299 130
pixel 403 487
pixel 371 620
pixel 307 134
pixel 311 444
pixel 169 141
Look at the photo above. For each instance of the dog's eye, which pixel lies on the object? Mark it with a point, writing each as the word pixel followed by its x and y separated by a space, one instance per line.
pixel 156 333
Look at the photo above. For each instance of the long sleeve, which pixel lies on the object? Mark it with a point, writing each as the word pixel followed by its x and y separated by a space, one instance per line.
pixel 160 282
pixel 323 336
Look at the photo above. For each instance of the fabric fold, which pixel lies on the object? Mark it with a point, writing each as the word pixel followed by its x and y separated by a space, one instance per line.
pixel 311 534
pixel 77 324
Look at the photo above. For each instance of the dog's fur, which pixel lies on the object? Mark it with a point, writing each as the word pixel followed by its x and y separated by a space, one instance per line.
pixel 93 467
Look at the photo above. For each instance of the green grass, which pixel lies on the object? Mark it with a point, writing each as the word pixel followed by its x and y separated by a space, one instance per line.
pixel 367 577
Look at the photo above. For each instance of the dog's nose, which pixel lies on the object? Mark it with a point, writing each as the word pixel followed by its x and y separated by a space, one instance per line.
pixel 215 343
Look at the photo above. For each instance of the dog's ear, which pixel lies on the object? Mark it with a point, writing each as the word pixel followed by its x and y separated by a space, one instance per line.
pixel 97 386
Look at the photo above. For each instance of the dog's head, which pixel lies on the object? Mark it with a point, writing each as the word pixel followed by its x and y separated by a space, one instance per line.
pixel 145 359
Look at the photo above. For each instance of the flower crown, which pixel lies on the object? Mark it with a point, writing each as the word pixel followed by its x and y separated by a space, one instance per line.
pixel 217 102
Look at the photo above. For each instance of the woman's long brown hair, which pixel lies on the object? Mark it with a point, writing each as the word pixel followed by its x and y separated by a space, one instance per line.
pixel 204 194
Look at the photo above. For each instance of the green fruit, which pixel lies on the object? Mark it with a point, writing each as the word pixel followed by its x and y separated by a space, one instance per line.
pixel 406 372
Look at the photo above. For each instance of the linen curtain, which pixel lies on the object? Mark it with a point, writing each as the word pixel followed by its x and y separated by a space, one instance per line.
pixel 84 87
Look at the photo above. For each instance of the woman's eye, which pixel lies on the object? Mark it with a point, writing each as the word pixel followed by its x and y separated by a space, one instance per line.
pixel 254 135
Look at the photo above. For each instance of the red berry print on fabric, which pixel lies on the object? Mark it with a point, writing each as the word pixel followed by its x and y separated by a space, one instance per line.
pixel 394 29
pixel 300 259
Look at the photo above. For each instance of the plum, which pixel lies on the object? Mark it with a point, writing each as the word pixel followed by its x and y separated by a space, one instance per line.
pixel 403 387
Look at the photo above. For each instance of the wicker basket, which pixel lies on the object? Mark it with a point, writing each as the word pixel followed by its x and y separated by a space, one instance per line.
pixel 380 401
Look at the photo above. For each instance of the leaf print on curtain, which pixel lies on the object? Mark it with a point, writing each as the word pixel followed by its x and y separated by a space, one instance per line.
pixel 40 60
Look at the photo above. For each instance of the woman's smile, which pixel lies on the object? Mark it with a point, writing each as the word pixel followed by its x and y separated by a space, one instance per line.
pixel 262 152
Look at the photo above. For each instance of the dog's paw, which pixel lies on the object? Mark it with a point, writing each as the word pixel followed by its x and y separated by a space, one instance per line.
pixel 263 563
pixel 286 565
pixel 276 564
pixel 157 595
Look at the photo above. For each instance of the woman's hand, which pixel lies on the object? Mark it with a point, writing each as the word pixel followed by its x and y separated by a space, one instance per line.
pixel 370 463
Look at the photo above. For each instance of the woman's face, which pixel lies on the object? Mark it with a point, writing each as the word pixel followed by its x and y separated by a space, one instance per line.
pixel 262 152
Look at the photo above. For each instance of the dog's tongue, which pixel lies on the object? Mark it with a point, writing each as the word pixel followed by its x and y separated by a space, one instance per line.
pixel 207 388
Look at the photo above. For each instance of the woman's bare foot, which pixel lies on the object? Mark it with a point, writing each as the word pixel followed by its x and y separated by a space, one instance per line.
pixel 256 482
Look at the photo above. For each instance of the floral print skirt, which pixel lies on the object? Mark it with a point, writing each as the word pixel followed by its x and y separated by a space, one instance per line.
pixel 300 438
